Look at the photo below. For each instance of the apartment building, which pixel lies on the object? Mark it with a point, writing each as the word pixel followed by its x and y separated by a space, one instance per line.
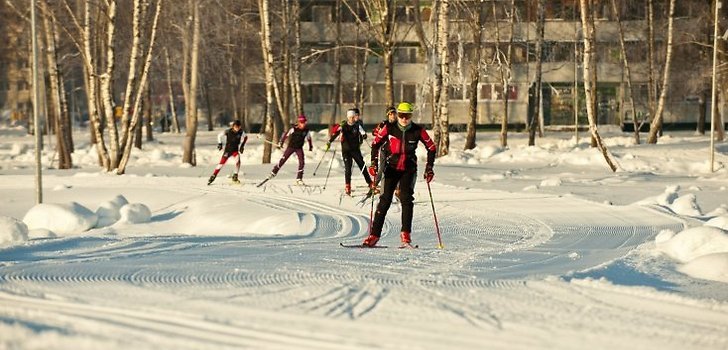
pixel 562 68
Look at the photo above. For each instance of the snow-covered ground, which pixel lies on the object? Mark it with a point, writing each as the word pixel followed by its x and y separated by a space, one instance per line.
pixel 544 247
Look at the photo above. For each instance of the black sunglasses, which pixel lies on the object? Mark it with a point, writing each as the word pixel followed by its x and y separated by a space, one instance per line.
pixel 404 115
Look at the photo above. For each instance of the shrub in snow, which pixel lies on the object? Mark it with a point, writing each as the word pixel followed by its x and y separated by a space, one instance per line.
pixel 686 205
pixel 719 222
pixel 108 212
pixel 60 218
pixel 12 230
pixel 135 213
pixel 695 242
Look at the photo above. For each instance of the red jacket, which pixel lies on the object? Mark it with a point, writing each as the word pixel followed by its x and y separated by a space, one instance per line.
pixel 402 146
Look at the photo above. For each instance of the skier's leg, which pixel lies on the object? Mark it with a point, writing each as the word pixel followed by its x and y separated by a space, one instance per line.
pixel 360 164
pixel 347 166
pixel 237 162
pixel 406 196
pixel 301 163
pixel 385 200
pixel 287 153
pixel 219 166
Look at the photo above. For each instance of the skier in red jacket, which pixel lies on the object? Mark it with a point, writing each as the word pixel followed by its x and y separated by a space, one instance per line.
pixel 402 138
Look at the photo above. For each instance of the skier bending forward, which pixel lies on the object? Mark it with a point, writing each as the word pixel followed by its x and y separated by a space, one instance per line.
pixel 235 140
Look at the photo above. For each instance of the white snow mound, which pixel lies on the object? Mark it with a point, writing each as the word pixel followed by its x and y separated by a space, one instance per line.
pixel 108 212
pixel 12 230
pixel 135 213
pixel 719 222
pixel 63 219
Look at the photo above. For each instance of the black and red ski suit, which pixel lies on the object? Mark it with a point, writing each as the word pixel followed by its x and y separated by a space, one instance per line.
pixel 351 138
pixel 400 169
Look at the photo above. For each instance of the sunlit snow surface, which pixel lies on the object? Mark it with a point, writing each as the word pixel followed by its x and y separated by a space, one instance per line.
pixel 544 247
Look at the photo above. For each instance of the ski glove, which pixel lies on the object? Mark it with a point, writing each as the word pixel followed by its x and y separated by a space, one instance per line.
pixel 241 149
pixel 373 170
pixel 219 146
pixel 429 175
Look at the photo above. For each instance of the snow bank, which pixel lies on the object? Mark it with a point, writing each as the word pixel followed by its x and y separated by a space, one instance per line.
pixel 702 250
pixel 135 213
pixel 683 205
pixel 108 212
pixel 62 219
pixel 12 230
pixel 719 222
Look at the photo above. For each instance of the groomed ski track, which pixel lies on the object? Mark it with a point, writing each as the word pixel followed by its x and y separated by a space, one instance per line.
pixel 514 264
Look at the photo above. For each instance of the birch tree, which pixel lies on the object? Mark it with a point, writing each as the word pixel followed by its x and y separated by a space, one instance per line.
pixel 533 120
pixel 476 28
pixel 627 73
pixel 191 121
pixel 656 124
pixel 587 22
pixel 267 50
pixel 443 118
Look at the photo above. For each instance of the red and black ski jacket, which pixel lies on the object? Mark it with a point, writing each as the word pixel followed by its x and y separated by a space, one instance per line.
pixel 402 145
pixel 351 135
pixel 296 137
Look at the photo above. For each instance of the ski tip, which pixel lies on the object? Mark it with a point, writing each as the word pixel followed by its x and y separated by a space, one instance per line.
pixel 440 246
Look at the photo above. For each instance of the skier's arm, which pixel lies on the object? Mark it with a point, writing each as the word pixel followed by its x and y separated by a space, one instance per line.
pixel 220 138
pixel 377 143
pixel 243 140
pixel 284 137
pixel 337 131
pixel 310 142
pixel 431 148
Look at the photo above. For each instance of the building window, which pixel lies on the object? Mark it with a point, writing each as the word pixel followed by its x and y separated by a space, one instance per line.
pixel 405 55
pixel 4 85
pixel 457 92
pixel 485 92
pixel 23 85
pixel 321 14
pixel 512 92
pixel 318 93
pixel 348 93
pixel 409 93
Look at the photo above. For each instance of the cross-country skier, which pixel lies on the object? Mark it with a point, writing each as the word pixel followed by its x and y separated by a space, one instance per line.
pixel 296 137
pixel 352 133
pixel 235 140
pixel 383 152
pixel 402 137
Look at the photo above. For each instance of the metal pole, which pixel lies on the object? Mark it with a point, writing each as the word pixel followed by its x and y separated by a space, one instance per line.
pixel 713 94
pixel 36 108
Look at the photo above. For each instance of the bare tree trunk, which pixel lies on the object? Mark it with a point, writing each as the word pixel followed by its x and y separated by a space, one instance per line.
pixel 57 101
pixel 265 40
pixel 188 155
pixel 92 87
pixel 295 63
pixel 651 83
pixel 148 117
pixel 588 29
pixel 208 105
pixel 477 28
pixel 337 68
pixel 107 87
pixel 140 90
pixel 628 73
pixel 170 92
pixel 133 76
pixel 532 122
pixel 443 146
pixel 505 72
pixel 656 125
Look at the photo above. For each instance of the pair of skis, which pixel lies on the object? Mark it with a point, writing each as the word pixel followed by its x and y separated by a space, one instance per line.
pixel 403 246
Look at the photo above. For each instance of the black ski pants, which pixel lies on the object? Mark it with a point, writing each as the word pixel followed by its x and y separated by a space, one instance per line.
pixel 406 180
pixel 355 156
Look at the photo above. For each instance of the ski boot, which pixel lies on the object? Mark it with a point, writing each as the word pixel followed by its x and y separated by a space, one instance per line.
pixel 212 178
pixel 235 179
pixel 406 240
pixel 370 241
pixel 347 189
pixel 299 182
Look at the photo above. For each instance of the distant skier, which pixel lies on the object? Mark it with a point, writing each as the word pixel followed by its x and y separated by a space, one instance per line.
pixel 296 137
pixel 235 140
pixel 383 152
pixel 402 137
pixel 352 134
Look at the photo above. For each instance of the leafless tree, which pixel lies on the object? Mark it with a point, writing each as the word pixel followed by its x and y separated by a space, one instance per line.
pixel 656 124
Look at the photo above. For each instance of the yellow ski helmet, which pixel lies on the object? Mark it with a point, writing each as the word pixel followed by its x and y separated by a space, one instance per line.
pixel 405 107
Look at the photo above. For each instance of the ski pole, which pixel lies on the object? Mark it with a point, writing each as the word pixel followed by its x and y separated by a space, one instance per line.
pixel 437 225
pixel 272 143
pixel 319 162
pixel 371 211
pixel 329 172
